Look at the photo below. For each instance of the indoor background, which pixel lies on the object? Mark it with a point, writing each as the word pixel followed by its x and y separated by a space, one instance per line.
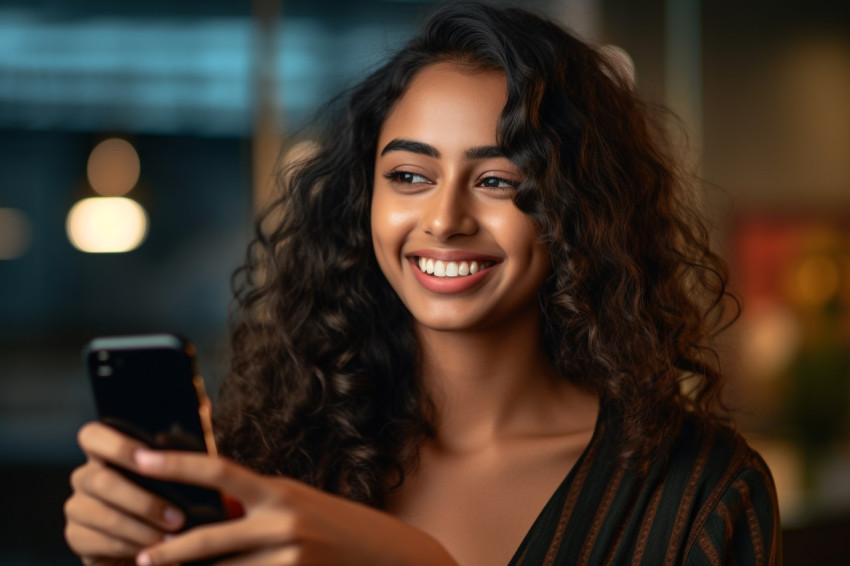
pixel 174 113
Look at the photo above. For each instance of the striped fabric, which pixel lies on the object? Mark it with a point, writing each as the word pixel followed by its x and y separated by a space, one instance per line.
pixel 712 503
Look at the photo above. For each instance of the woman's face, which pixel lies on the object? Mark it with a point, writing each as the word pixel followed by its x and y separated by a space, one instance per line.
pixel 447 235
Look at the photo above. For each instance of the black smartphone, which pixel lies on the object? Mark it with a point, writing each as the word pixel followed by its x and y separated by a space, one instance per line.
pixel 149 387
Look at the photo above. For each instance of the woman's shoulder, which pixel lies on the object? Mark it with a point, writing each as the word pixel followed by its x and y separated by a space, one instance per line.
pixel 717 495
pixel 707 453
pixel 708 498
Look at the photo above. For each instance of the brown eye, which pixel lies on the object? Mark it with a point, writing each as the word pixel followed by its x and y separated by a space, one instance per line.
pixel 497 183
pixel 405 177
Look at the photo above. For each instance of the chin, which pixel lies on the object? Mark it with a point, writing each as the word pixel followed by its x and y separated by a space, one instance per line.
pixel 454 322
pixel 445 320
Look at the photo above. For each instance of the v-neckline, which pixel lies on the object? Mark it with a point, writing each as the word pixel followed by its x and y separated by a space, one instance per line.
pixel 565 485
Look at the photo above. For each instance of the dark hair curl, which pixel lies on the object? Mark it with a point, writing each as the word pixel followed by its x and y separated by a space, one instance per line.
pixel 323 384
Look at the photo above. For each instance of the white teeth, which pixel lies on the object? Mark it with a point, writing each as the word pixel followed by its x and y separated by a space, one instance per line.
pixel 440 268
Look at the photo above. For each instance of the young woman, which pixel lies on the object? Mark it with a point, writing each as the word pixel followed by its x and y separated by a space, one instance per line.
pixel 464 336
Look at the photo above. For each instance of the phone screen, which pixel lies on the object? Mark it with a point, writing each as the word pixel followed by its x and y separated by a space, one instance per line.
pixel 149 387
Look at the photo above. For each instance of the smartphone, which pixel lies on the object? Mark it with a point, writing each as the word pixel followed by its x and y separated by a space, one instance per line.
pixel 149 387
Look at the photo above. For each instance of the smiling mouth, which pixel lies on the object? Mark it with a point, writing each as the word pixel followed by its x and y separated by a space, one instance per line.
pixel 440 268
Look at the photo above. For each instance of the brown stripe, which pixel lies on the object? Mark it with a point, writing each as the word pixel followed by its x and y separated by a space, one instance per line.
pixel 673 546
pixel 607 499
pixel 708 548
pixel 612 552
pixel 752 521
pixel 741 454
pixel 728 526
pixel 572 497
pixel 646 526
pixel 623 518
pixel 774 505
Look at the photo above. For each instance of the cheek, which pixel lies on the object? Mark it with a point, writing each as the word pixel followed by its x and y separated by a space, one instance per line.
pixel 517 232
pixel 526 244
pixel 391 216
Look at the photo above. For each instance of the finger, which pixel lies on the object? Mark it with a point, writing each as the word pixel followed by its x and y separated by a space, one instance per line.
pixel 221 539
pixel 85 541
pixel 200 469
pixel 285 556
pixel 112 489
pixel 102 442
pixel 98 516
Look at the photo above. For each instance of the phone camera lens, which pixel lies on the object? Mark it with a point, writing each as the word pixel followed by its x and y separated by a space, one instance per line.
pixel 104 371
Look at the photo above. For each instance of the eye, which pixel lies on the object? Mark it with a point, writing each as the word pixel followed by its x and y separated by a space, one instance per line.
pixel 491 182
pixel 405 177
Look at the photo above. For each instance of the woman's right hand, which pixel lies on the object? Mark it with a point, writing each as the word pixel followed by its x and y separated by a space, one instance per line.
pixel 109 518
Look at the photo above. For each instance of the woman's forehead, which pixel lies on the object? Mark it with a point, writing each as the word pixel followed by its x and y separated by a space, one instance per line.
pixel 448 102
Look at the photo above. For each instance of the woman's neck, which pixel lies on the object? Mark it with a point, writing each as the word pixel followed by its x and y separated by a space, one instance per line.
pixel 495 384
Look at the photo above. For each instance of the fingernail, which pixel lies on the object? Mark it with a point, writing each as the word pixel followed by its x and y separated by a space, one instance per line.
pixel 144 559
pixel 172 515
pixel 148 459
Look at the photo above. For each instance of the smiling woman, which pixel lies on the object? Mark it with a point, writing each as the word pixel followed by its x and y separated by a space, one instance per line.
pixel 461 337
pixel 443 199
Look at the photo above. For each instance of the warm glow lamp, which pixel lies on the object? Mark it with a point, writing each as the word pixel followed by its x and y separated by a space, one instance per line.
pixel 113 167
pixel 107 225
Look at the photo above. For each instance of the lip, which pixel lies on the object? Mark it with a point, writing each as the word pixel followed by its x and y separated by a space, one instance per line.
pixel 450 285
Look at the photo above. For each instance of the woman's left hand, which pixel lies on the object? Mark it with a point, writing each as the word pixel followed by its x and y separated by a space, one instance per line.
pixel 284 522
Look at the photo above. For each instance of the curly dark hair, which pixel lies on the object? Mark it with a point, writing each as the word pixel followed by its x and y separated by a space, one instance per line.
pixel 324 381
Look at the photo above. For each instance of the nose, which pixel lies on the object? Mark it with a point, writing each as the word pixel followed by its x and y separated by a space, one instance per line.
pixel 449 212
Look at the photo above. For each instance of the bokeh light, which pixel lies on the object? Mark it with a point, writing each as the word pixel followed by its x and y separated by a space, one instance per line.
pixel 817 280
pixel 770 340
pixel 113 167
pixel 15 233
pixel 107 225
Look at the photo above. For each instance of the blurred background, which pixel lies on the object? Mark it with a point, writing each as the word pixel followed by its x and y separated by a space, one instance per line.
pixel 169 116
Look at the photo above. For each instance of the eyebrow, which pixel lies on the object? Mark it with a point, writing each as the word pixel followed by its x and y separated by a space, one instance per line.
pixel 401 144
pixel 484 152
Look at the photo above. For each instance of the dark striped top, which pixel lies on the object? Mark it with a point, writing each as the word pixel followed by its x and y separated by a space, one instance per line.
pixel 712 502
